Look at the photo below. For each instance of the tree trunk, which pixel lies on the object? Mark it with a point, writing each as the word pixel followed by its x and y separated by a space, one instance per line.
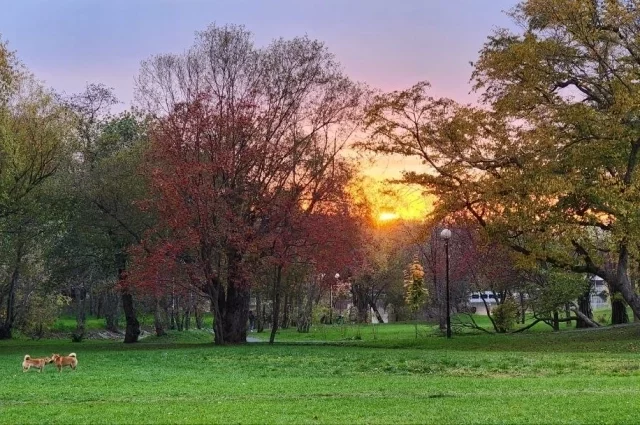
pixel 374 307
pixel 236 312
pixel 618 310
pixel 187 319
pixel 285 312
pixel 584 306
pixel 132 331
pixel 556 321
pixel 259 313
pixel 7 327
pixel 80 295
pixel 523 309
pixel 198 314
pixel 306 308
pixel 620 283
pixel 276 304
pixel 236 304
pixel 303 324
pixel 111 311
pixel 93 311
pixel 487 308
pixel 215 291
pixel 157 319
pixel 179 319
pixel 10 315
pixel 173 323
pixel 588 321
pixel 567 315
pixel 360 302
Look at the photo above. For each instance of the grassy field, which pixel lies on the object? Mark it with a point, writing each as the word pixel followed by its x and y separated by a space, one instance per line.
pixel 567 377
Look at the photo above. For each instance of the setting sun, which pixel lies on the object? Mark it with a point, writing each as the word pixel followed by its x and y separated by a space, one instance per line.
pixel 387 216
pixel 389 202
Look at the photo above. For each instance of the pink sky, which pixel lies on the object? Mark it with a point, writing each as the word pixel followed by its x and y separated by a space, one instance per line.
pixel 390 45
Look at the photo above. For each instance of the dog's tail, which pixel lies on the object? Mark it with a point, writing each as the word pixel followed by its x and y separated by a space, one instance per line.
pixel 27 357
pixel 72 355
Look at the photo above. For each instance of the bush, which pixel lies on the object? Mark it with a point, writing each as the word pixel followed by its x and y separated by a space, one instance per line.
pixel 41 314
pixel 320 314
pixel 504 315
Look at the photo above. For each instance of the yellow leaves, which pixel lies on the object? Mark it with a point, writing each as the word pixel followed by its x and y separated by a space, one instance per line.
pixel 415 291
pixel 415 271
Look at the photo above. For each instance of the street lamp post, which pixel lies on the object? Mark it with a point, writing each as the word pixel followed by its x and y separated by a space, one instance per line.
pixel 446 235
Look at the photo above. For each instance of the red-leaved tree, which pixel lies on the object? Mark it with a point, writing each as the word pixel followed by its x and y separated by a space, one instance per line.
pixel 245 147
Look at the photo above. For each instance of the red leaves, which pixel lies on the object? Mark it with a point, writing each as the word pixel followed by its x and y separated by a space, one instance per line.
pixel 215 190
pixel 245 163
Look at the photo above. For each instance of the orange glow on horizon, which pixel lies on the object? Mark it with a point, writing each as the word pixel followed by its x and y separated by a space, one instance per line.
pixel 389 202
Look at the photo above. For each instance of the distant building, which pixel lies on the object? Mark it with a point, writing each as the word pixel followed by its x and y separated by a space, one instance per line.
pixel 599 293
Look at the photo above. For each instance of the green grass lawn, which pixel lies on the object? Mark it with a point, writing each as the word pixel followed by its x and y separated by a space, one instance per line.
pixel 566 377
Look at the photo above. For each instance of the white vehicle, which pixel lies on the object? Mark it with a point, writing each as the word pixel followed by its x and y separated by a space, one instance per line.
pixel 476 297
pixel 476 301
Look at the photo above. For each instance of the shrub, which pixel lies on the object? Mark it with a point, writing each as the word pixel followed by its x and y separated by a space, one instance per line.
pixel 504 315
pixel 41 314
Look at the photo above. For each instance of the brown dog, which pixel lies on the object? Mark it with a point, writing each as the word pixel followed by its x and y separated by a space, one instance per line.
pixel 62 361
pixel 28 363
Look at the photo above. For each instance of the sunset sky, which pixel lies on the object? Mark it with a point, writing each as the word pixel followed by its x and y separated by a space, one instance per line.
pixel 390 45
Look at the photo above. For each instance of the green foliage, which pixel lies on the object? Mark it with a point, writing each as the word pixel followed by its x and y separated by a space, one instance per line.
pixel 550 289
pixel 33 133
pixel 41 313
pixel 8 73
pixel 549 164
pixel 319 312
pixel 505 314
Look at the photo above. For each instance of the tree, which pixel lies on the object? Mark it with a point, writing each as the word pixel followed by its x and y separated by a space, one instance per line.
pixel 95 198
pixel 549 165
pixel 245 138
pixel 492 267
pixel 415 291
pixel 552 290
pixel 385 251
pixel 33 136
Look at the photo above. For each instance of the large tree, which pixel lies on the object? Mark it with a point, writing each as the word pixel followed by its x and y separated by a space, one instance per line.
pixel 245 138
pixel 98 219
pixel 33 140
pixel 549 162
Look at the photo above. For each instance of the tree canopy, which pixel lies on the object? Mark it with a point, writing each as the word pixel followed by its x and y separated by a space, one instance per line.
pixel 548 162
